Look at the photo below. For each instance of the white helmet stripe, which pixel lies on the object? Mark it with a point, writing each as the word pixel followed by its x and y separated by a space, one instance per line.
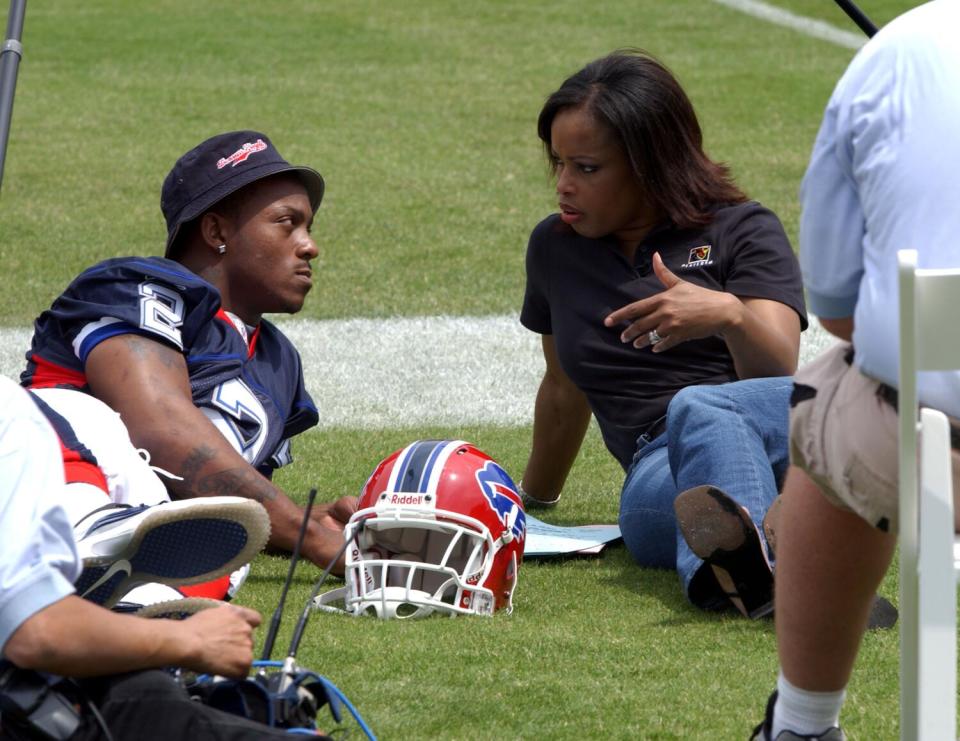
pixel 420 464
pixel 437 464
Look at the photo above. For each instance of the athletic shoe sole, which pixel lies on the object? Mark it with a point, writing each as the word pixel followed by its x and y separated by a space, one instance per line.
pixel 721 532
pixel 178 609
pixel 185 542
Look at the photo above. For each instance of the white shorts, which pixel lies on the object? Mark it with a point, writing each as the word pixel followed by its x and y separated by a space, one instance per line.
pixel 129 479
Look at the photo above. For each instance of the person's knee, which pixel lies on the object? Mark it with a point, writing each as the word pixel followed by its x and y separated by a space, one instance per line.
pixel 650 537
pixel 696 404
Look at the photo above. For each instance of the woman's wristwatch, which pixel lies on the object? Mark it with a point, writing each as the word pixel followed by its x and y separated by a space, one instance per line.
pixel 530 502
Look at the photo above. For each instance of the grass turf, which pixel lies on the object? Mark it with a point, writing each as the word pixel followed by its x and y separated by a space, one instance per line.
pixel 595 648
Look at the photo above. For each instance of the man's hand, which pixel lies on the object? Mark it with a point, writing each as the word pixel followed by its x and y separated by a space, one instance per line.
pixel 221 639
pixel 335 515
pixel 325 540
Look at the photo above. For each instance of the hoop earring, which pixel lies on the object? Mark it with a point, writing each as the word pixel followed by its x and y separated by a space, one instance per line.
pixel 221 249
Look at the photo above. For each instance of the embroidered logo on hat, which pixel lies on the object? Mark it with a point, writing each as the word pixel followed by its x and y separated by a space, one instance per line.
pixel 201 177
pixel 241 154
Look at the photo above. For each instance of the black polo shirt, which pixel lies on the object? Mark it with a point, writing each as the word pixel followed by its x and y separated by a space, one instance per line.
pixel 573 282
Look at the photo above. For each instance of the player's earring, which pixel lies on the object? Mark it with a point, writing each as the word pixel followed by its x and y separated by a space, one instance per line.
pixel 221 249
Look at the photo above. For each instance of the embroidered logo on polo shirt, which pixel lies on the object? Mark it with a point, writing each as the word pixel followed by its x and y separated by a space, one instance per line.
pixel 699 257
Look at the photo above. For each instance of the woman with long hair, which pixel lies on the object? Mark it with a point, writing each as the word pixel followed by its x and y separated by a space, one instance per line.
pixel 670 307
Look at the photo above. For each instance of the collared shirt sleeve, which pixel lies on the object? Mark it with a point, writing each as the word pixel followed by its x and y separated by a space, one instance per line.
pixel 857 121
pixel 38 555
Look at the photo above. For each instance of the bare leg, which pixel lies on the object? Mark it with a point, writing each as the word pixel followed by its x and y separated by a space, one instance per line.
pixel 829 565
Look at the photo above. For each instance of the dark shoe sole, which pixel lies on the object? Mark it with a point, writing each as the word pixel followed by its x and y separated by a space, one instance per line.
pixel 720 531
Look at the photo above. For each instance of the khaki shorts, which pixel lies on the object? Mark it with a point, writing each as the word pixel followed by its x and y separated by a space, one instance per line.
pixel 845 437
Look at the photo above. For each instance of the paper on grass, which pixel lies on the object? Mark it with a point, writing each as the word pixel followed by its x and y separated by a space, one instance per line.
pixel 544 539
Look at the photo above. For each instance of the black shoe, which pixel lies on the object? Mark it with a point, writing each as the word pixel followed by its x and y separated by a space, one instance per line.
pixel 883 614
pixel 721 532
pixel 762 731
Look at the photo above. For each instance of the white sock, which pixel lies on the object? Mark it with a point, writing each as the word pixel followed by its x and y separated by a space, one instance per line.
pixel 803 712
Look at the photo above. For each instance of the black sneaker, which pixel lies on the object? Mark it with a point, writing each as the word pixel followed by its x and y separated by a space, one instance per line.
pixel 721 532
pixel 762 731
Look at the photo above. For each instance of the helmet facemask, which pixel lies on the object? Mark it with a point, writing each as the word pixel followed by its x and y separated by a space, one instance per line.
pixel 410 563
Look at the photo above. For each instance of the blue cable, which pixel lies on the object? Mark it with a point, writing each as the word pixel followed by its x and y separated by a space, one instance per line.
pixel 328 685
pixel 353 711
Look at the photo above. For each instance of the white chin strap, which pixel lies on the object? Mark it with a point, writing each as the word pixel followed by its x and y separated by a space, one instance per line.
pixel 386 603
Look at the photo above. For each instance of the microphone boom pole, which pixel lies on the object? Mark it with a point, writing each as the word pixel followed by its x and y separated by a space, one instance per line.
pixel 10 55
pixel 858 17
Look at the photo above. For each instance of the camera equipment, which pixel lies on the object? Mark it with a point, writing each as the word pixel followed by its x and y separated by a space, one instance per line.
pixel 281 694
pixel 39 706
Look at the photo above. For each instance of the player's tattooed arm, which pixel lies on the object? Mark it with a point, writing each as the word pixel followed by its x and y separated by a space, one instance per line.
pixel 241 481
pixel 147 382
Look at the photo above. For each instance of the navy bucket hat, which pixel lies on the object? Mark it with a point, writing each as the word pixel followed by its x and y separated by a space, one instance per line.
pixel 222 165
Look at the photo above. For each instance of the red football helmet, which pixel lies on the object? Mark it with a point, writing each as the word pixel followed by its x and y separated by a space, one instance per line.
pixel 439 527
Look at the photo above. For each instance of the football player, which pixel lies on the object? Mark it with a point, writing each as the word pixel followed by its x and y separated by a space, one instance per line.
pixel 179 347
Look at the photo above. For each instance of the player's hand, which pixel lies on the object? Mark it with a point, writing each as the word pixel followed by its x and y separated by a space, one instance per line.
pixel 325 538
pixel 222 638
pixel 682 311
pixel 334 515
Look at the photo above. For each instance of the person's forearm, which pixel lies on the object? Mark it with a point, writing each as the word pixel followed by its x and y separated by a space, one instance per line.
pixel 147 383
pixel 561 416
pixel 760 348
pixel 76 638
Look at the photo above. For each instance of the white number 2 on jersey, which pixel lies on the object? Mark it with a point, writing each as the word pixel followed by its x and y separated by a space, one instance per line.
pixel 161 311
pixel 234 402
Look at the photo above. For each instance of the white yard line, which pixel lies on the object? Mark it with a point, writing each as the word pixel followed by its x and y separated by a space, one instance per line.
pixel 808 26
pixel 411 371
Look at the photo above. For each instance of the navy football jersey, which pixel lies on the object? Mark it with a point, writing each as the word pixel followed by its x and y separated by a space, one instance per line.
pixel 249 384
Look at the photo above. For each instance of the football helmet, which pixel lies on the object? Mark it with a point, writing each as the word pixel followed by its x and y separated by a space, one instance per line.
pixel 439 528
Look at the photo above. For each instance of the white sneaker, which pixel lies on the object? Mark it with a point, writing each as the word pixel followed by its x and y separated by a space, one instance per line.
pixel 184 542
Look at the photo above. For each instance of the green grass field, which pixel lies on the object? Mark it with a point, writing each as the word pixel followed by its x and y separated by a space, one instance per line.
pixel 421 116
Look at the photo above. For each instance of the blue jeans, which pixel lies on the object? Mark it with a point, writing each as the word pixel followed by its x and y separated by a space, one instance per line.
pixel 734 436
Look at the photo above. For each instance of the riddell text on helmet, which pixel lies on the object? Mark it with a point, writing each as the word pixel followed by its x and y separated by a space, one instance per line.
pixel 406 499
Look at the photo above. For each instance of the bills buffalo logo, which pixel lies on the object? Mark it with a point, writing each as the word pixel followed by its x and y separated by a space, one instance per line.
pixel 698 257
pixel 502 498
pixel 241 154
